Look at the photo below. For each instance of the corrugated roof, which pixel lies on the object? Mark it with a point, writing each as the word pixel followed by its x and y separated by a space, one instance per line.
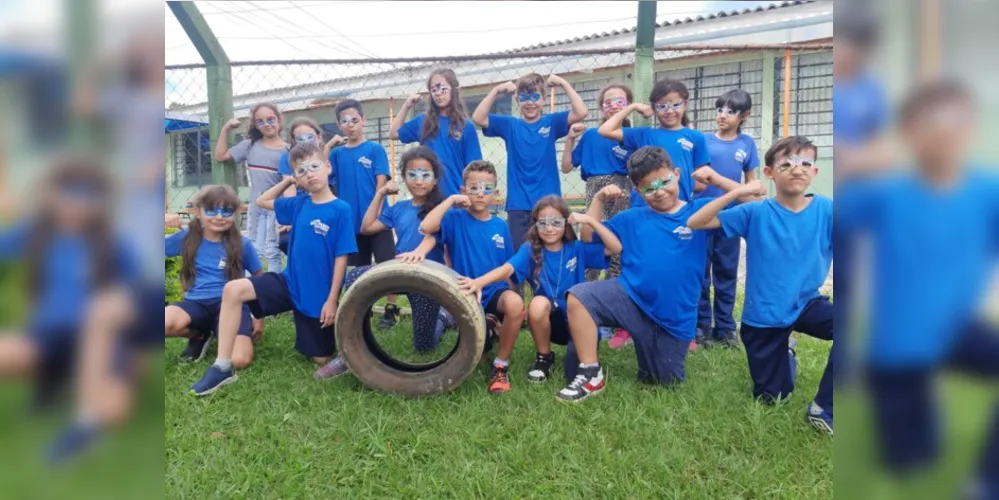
pixel 687 20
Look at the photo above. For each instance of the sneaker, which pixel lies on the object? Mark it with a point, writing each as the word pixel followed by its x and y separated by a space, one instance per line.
pixel 197 347
pixel 588 381
pixel 499 379
pixel 692 346
pixel 72 442
pixel 726 339
pixel 333 369
pixel 542 367
pixel 214 379
pixel 819 418
pixel 621 339
pixel 390 317
pixel 700 339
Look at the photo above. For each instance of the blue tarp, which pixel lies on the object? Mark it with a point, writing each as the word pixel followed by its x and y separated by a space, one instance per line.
pixel 171 125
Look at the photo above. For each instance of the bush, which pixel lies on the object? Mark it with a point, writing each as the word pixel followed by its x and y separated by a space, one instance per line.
pixel 171 277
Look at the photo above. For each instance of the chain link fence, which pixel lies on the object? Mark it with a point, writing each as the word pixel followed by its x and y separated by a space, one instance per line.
pixel 313 88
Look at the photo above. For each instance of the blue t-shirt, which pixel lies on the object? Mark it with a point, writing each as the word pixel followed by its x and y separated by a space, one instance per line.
pixel 355 170
pixel 209 264
pixel 932 253
pixel 730 159
pixel 476 247
pixel 403 218
pixel 685 147
pixel 787 257
pixel 860 109
pixel 637 200
pixel 455 154
pixel 559 270
pixel 319 234
pixel 599 155
pixel 284 168
pixel 531 166
pixel 662 264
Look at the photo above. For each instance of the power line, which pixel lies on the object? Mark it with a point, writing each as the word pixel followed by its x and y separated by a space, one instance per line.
pixel 331 28
pixel 265 29
pixel 294 27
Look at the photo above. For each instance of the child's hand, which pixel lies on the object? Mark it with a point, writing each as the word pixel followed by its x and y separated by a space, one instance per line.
pixel 410 257
pixel 468 285
pixel 705 175
pixel 281 229
pixel 556 80
pixel 335 141
pixel 576 130
pixel 414 99
pixel 644 109
pixel 390 187
pixel 576 218
pixel 172 220
pixel 460 200
pixel 258 330
pixel 610 192
pixel 328 315
pixel 231 124
pixel 507 87
pixel 754 189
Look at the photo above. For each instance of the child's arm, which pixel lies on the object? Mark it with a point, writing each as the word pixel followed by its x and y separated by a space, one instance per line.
pixel 328 315
pixel 612 244
pixel 475 285
pixel 568 155
pixel 481 114
pixel 707 216
pixel 611 128
pixel 750 175
pixel 579 110
pixel 266 200
pixel 432 222
pixel 335 141
pixel 222 146
pixel 608 193
pixel 370 224
pixel 420 252
pixel 707 176
pixel 400 117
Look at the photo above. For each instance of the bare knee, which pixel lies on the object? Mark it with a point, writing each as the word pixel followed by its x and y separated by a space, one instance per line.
pixel 539 309
pixel 512 304
pixel 242 353
pixel 573 303
pixel 238 291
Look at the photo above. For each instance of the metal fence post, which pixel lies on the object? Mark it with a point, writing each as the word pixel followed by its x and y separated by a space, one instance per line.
pixel 645 60
pixel 80 41
pixel 767 109
pixel 219 81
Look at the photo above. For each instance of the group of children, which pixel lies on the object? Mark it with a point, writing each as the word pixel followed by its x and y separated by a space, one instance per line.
pixel 666 205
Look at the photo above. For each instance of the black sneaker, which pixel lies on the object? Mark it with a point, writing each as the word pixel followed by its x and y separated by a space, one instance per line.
pixel 727 339
pixel 701 339
pixel 542 367
pixel 588 381
pixel 390 317
pixel 196 349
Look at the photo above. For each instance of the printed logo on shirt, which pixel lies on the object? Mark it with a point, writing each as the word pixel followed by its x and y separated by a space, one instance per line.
pixel 685 233
pixel 545 131
pixel 619 152
pixel 319 227
pixel 498 240
pixel 687 145
pixel 571 265
pixel 222 263
pixel 364 161
pixel 741 155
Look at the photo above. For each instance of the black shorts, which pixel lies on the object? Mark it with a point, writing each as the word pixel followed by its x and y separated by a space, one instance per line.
pixel 381 246
pixel 273 297
pixel 560 327
pixel 205 316
pixel 492 307
pixel 142 333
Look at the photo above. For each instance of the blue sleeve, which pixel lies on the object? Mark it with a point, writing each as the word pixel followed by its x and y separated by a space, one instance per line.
pixel 174 243
pixel 593 256
pixel 285 209
pixel 615 224
pixel 470 143
pixel 637 200
pixel 448 226
pixel 753 160
pixel 522 263
pixel 735 220
pixel 507 249
pixel 387 216
pixel 856 202
pixel 634 137
pixel 411 130
pixel 700 153
pixel 251 261
pixel 240 150
pixel 381 166
pixel 12 241
pixel 284 166
pixel 577 154
pixel 344 241
pixel 560 124
pixel 499 126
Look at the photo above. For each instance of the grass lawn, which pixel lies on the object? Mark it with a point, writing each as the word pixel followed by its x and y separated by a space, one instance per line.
pixel 277 433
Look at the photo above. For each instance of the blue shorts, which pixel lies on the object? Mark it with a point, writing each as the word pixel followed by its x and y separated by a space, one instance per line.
pixel 519 222
pixel 205 316
pixel 662 357
pixel 273 297
pixel 149 311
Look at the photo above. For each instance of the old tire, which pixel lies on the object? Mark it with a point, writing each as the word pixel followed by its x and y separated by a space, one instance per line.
pixel 370 364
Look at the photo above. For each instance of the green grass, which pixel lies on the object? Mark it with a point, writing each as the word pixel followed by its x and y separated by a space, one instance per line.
pixel 277 433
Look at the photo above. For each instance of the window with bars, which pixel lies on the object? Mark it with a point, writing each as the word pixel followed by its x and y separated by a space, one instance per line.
pixel 192 158
pixel 811 99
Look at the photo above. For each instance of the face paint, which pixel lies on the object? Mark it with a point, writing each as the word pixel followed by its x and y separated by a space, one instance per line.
pixel 226 212
pixel 346 122
pixel 650 190
pixel 524 97
pixel 269 121
pixel 440 89
pixel 480 187
pixel 676 106
pixel 305 138
pixel 419 174
pixel 788 164
pixel 727 112
pixel 546 223
pixel 306 167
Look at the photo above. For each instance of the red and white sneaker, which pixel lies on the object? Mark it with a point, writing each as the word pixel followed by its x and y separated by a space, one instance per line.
pixel 588 381
pixel 620 339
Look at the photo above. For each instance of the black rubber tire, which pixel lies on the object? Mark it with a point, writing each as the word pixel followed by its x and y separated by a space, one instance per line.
pixel 381 372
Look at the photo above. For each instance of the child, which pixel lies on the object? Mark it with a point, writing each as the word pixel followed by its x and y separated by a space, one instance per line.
pixel 788 254
pixel 552 260
pixel 261 150
pixel 733 155
pixel 310 284
pixel 213 252
pixel 302 129
pixel 478 242
pixel 444 128
pixel 361 168
pixel 421 169
pixel 532 167
pixel 655 298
